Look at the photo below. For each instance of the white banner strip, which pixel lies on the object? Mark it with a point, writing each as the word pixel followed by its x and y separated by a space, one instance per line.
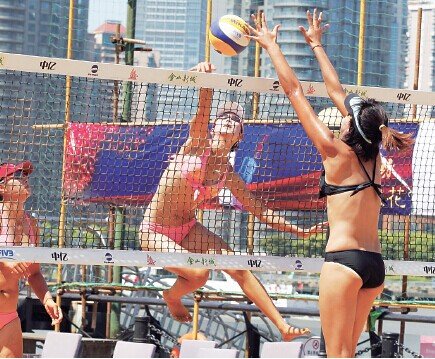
pixel 190 260
pixel 106 71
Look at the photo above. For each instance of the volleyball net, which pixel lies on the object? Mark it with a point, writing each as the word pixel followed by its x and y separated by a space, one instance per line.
pixel 100 147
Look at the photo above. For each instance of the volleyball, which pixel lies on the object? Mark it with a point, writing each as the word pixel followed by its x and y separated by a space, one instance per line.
pixel 227 35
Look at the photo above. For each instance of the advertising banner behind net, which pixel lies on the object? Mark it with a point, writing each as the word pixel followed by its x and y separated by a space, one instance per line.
pixel 123 165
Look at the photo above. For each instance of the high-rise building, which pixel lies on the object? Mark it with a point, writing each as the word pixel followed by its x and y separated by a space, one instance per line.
pixel 13 26
pixel 426 78
pixel 219 10
pixel 174 28
pixel 46 28
pixel 146 97
pixel 37 27
pixel 290 14
pixel 104 49
pixel 385 41
pixel 177 31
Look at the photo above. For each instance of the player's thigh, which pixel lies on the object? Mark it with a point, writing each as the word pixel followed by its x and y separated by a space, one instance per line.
pixel 11 340
pixel 201 240
pixel 338 293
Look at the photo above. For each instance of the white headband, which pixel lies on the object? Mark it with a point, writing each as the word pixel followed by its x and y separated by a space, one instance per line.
pixel 355 107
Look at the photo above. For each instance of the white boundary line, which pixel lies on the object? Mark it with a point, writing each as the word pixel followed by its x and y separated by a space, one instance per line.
pixel 190 260
pixel 107 71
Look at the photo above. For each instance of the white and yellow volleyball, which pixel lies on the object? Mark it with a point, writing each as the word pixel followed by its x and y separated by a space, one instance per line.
pixel 227 35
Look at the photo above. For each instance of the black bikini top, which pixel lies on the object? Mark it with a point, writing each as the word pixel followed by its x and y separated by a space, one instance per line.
pixel 329 189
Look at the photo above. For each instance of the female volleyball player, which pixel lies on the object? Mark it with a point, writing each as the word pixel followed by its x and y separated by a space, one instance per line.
pixel 353 273
pixel 196 173
pixel 18 229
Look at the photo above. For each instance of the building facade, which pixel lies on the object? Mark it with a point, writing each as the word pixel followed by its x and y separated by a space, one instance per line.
pixel 426 78
pixel 386 42
pixel 174 28
pixel 37 27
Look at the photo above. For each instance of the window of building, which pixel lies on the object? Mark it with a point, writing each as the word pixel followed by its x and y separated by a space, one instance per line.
pixel 45 7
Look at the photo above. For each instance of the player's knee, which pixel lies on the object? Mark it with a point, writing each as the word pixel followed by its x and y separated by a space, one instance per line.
pixel 199 276
pixel 238 275
pixel 341 350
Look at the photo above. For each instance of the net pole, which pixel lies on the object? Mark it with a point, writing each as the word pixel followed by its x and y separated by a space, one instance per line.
pixel 417 58
pixel 111 316
pixel 111 310
pixel 255 104
pixel 256 95
pixel 83 300
pixel 407 228
pixel 110 244
pixel 361 42
pixel 207 27
pixel 197 297
pixel 115 83
pixel 129 58
pixel 126 117
pixel 119 229
pixel 62 214
pixel 200 212
pixel 251 218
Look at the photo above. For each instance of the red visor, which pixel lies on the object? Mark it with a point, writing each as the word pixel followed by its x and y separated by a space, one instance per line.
pixel 7 169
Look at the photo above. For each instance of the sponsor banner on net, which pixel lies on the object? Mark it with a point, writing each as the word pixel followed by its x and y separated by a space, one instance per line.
pixel 108 71
pixel 192 260
pixel 7 254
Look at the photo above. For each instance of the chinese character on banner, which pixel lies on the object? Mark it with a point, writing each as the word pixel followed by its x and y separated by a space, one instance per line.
pixel 395 197
pixel 396 176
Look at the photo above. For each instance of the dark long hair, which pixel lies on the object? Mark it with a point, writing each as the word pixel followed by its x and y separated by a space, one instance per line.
pixel 371 116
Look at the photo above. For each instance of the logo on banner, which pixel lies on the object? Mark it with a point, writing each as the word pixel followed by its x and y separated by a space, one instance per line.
pixel 429 269
pixel 133 75
pixel 201 261
pixel 47 65
pixel 311 90
pixel 187 79
pixel 150 260
pixel 361 93
pixel 1 60
pixel 108 258
pixel 254 263
pixel 94 70
pixel 275 86
pixel 311 347
pixel 299 265
pixel 60 256
pixel 390 269
pixel 235 82
pixel 7 254
pixel 403 96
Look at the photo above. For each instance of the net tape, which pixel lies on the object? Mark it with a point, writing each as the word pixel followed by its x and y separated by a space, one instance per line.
pixel 191 260
pixel 118 72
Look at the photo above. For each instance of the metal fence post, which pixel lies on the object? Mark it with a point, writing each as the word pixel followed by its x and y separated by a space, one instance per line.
pixel 322 348
pixel 390 345
pixel 141 329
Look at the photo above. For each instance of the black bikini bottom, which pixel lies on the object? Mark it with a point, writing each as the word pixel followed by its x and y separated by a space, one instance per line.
pixel 368 265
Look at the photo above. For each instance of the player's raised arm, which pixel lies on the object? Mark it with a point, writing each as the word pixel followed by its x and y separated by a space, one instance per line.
pixel 316 130
pixel 313 37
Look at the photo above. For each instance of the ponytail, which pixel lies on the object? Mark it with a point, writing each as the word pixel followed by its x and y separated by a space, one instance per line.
pixel 395 140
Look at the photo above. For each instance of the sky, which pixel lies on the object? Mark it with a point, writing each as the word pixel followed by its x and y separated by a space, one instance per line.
pixel 101 10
